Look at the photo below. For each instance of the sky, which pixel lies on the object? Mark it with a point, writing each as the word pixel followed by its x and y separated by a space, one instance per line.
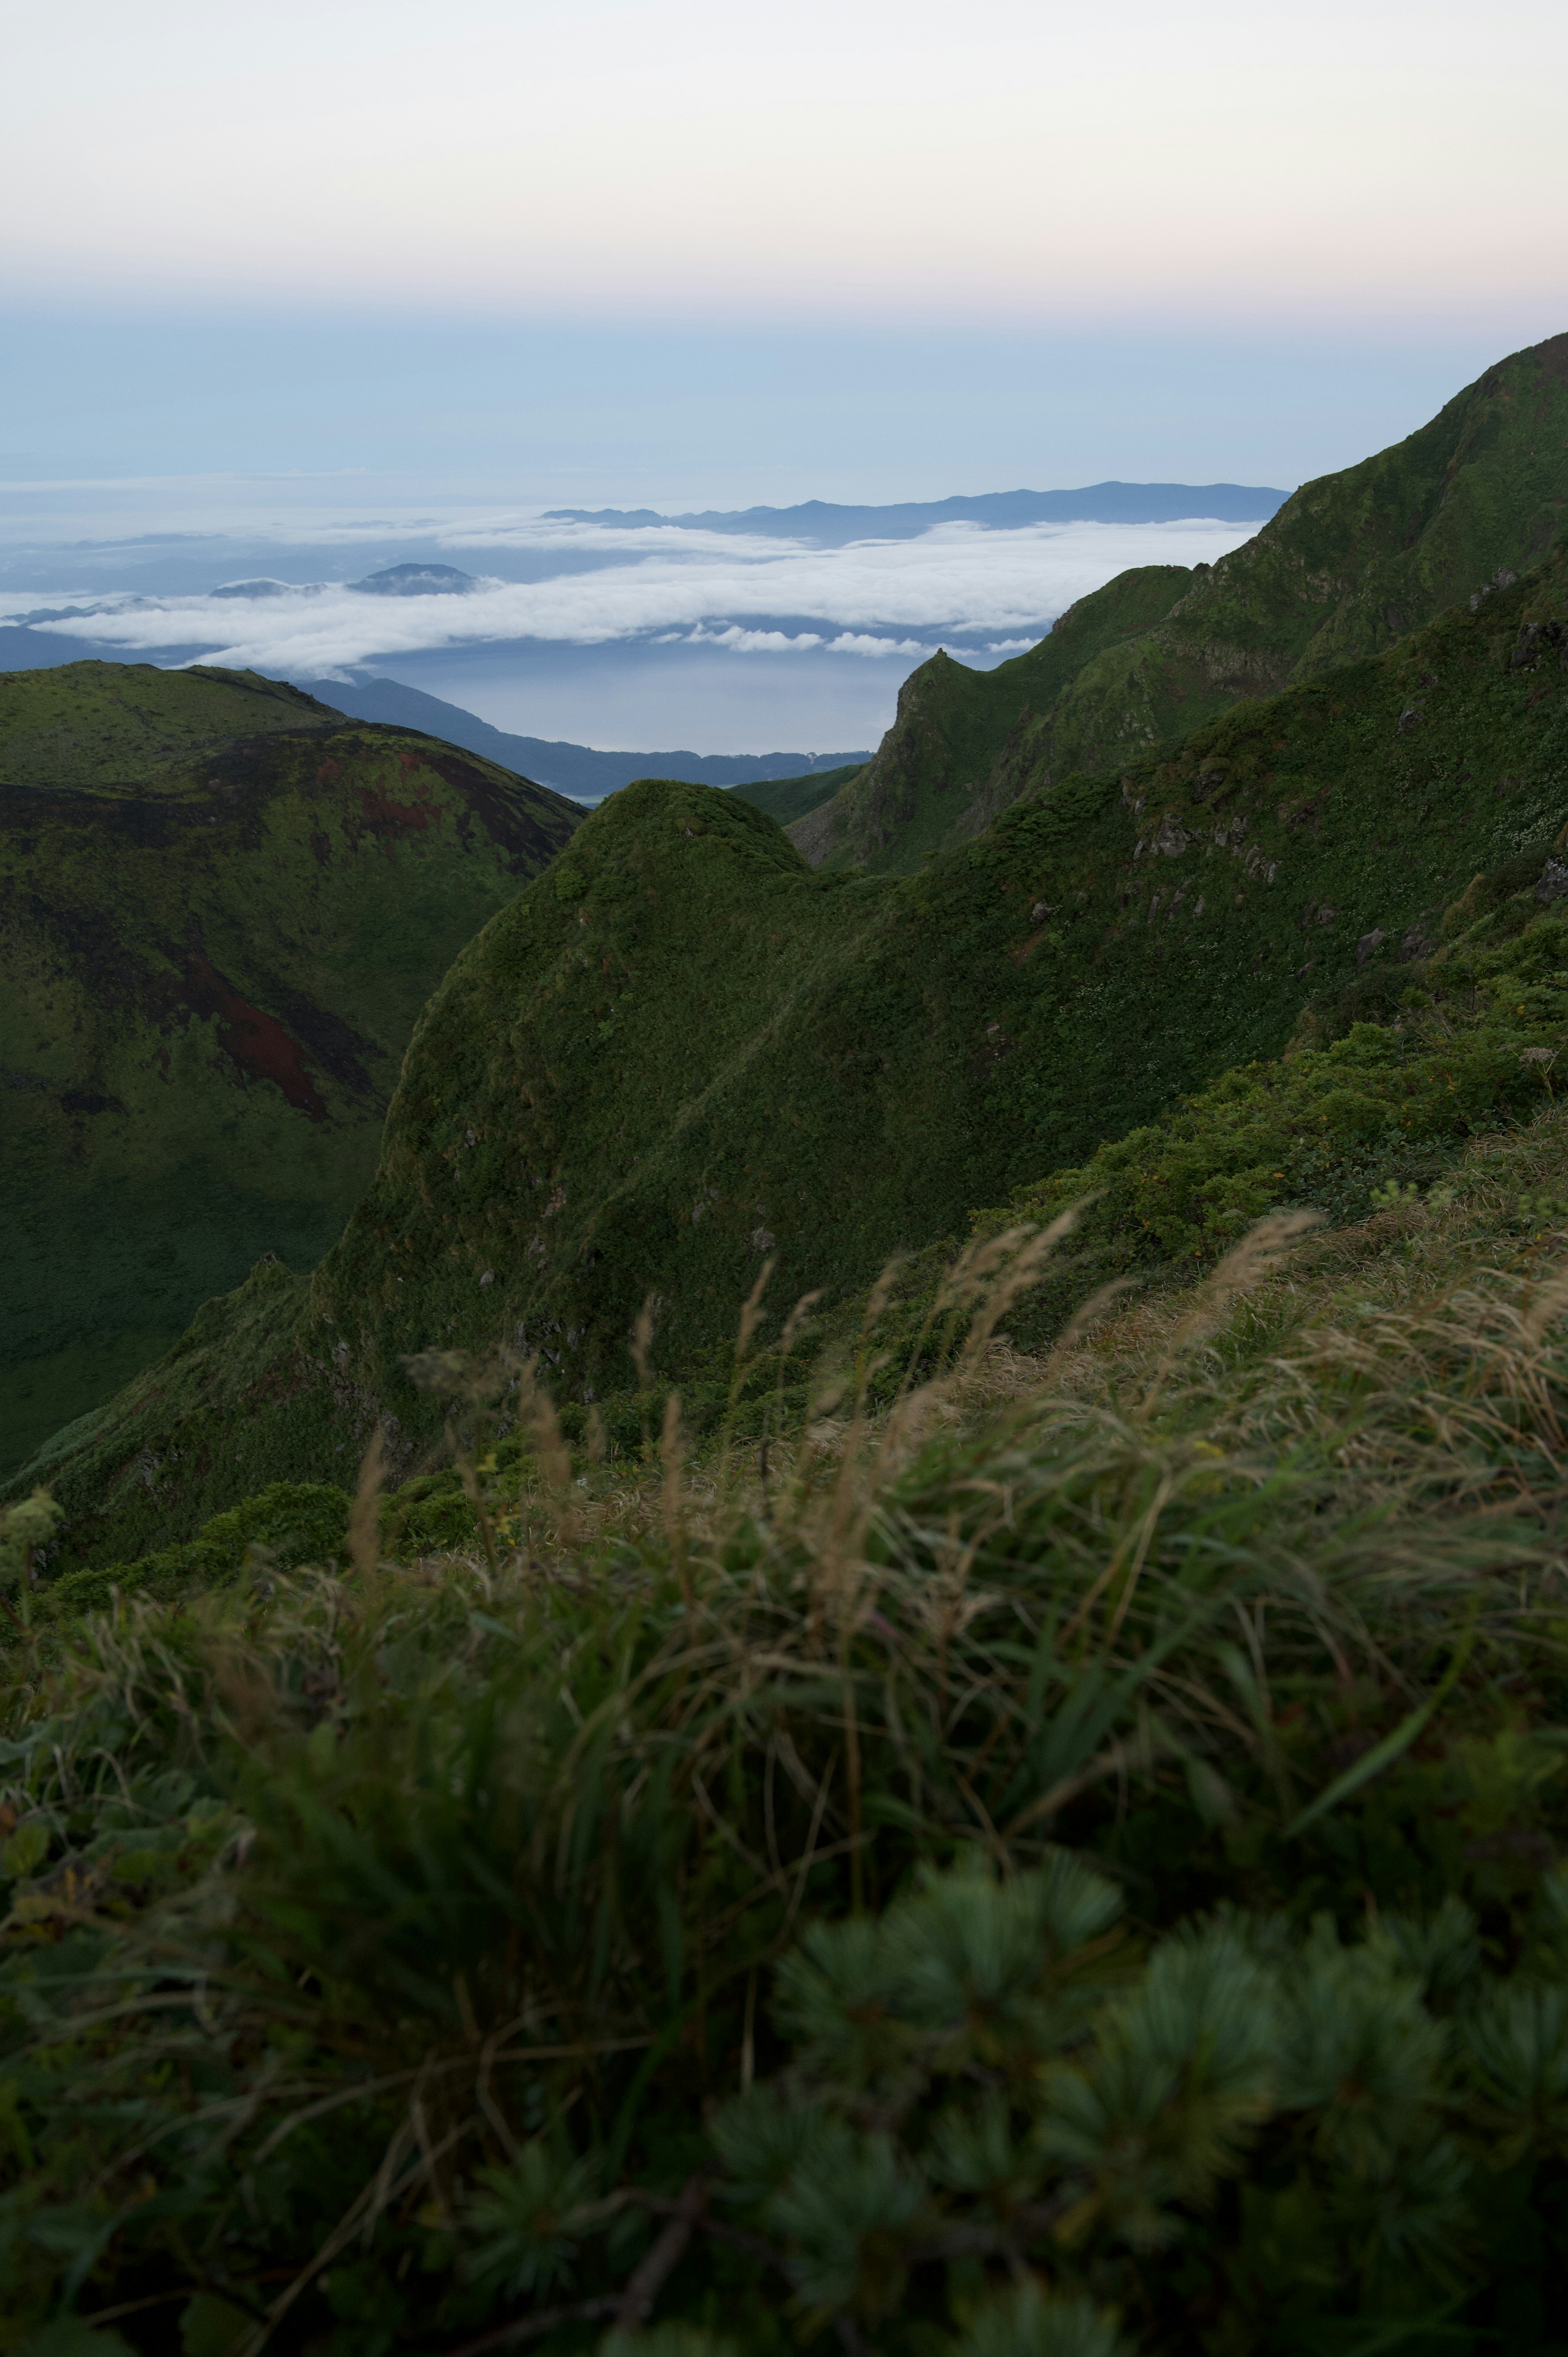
pixel 414 274
pixel 901 159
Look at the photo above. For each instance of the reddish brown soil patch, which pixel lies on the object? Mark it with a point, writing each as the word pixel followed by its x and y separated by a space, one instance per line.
pixel 258 1042
pixel 379 811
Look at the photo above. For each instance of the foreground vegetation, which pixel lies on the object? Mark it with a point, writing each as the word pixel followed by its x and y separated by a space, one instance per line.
pixel 1062 1861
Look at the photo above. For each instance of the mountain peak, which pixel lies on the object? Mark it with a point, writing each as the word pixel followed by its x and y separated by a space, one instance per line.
pixel 416 581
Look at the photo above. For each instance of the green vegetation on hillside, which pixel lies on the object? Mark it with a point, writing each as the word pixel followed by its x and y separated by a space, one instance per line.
pixel 116 725
pixel 1065 1867
pixel 225 908
pixel 1460 1044
pixel 930 781
pixel 1349 564
pixel 788 799
pixel 1012 1804
pixel 681 1053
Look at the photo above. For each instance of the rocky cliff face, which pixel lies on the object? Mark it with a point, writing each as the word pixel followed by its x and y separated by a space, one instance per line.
pixel 223 910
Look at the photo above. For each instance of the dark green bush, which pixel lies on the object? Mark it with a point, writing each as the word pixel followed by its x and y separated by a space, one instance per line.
pixel 289 1523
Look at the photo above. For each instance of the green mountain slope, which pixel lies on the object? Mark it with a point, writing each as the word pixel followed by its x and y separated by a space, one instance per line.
pixel 929 782
pixel 788 799
pixel 224 909
pixel 115 725
pixel 1348 565
pixel 682 1052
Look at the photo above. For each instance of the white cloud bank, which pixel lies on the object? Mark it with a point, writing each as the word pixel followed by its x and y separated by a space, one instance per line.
pixel 872 599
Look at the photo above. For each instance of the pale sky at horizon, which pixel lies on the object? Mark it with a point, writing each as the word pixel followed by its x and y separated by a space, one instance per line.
pixel 896 160
pixel 851 248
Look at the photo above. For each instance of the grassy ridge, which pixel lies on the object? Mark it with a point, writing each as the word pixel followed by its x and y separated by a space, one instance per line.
pixel 929 782
pixel 1350 564
pixel 788 799
pixel 682 1053
pixel 115 725
pixel 216 948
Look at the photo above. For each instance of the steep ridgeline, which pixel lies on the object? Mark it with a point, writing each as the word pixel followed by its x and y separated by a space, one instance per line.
pixel 224 909
pixel 1348 565
pixel 682 1051
pixel 929 782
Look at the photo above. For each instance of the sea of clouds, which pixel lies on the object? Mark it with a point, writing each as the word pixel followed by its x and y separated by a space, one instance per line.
pixel 984 594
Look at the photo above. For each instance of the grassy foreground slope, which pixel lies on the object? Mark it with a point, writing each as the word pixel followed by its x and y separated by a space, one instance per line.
pixel 1347 566
pixel 1068 1868
pixel 225 908
pixel 682 1053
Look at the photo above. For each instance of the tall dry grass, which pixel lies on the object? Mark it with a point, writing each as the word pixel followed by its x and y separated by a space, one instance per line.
pixel 375 1872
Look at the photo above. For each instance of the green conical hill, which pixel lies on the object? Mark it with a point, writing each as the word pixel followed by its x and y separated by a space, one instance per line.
pixel 682 1051
pixel 1347 566
pixel 224 909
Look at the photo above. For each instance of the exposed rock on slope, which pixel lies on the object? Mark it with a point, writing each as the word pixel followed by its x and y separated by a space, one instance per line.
pixel 223 910
pixel 681 1051
pixel 1348 564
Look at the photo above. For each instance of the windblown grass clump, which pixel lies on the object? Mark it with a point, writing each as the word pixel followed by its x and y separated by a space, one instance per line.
pixel 1061 1863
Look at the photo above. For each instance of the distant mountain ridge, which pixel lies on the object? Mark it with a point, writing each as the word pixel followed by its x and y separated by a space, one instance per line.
pixel 832 525
pixel 579 771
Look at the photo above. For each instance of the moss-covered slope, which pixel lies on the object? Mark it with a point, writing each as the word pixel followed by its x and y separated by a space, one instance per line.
pixel 117 725
pixel 682 1051
pixel 1348 565
pixel 224 909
